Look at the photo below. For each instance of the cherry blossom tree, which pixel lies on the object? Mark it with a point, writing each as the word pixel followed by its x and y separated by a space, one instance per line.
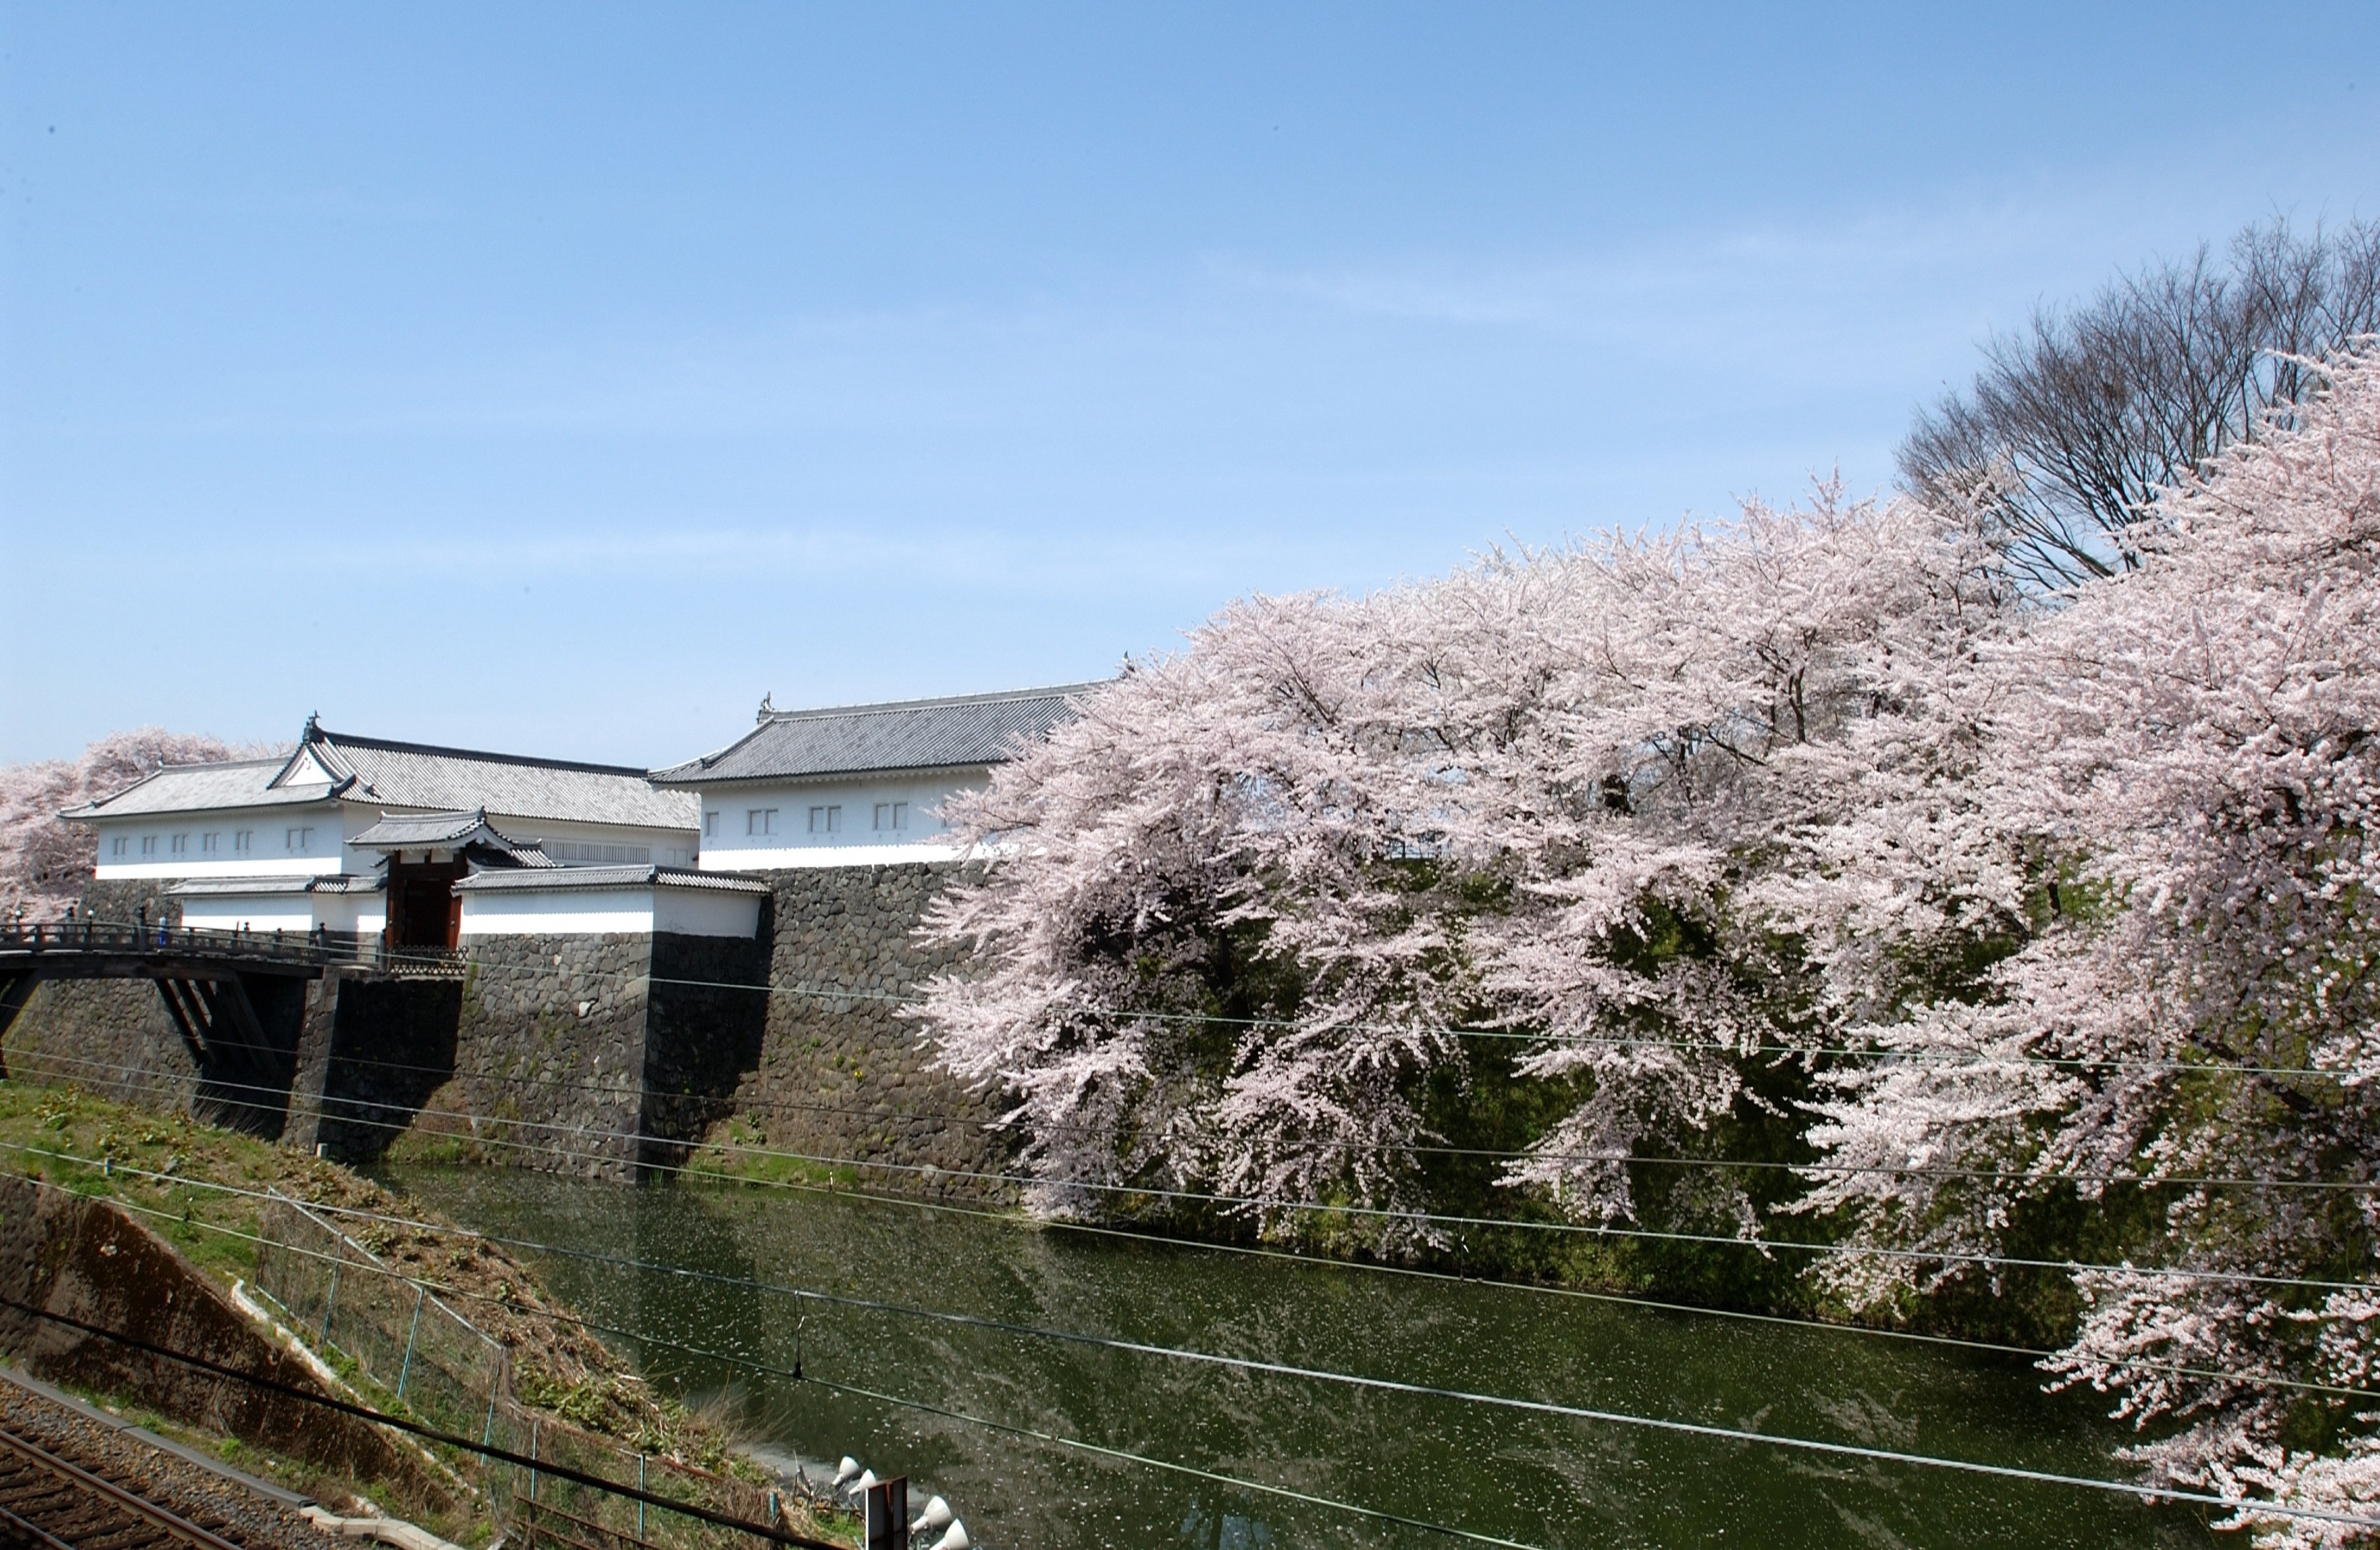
pixel 2064 904
pixel 44 860
pixel 2183 761
pixel 1245 902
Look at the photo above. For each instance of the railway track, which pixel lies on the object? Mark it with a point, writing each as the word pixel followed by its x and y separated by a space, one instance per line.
pixel 51 1502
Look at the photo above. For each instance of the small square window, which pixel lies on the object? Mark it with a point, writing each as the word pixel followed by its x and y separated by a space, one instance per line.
pixel 826 819
pixel 210 843
pixel 181 845
pixel 760 820
pixel 148 844
pixel 891 815
pixel 300 839
pixel 243 840
pixel 118 846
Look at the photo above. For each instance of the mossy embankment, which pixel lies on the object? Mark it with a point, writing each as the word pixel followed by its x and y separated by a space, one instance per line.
pixel 203 1190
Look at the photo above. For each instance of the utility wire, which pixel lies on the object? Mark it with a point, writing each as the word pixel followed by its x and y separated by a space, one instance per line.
pixel 750 1364
pixel 2148 1494
pixel 1473 1031
pixel 1814 1168
pixel 503 1455
pixel 1385 1214
pixel 854 1300
pixel 799 1375
pixel 1310 1261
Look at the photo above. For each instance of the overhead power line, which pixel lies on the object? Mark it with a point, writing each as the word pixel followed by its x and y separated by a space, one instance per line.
pixel 2134 1065
pixel 671 1503
pixel 1816 1169
pixel 806 1375
pixel 871 1304
pixel 1387 1214
pixel 1309 1261
pixel 504 1456
pixel 2148 1494
pixel 2137 1065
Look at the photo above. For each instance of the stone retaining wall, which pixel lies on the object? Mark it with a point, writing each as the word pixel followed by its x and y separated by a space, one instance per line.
pixel 841 1075
pixel 116 1037
pixel 112 1036
pixel 549 1053
pixel 372 1053
pixel 596 1053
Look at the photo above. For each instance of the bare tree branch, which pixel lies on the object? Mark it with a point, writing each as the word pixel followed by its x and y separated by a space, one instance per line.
pixel 2075 427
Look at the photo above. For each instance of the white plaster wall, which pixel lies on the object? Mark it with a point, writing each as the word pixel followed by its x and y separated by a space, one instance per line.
pixel 552 912
pixel 547 912
pixel 669 847
pixel 271 856
pixel 794 858
pixel 730 846
pixel 353 820
pixel 328 852
pixel 702 912
pixel 288 911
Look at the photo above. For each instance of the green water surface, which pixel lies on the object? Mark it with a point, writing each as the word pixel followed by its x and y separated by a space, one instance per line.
pixel 1549 1480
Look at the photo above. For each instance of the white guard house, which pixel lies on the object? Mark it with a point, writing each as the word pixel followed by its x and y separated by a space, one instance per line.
pixel 367 836
pixel 856 785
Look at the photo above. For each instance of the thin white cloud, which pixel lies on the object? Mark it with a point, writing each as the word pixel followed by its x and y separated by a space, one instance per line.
pixel 1826 300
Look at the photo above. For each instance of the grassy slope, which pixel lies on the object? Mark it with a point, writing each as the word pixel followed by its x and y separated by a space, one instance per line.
pixel 76 1140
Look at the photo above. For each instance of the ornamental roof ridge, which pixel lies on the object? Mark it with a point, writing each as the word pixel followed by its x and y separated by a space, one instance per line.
pixel 260 761
pixel 594 879
pixel 942 732
pixel 400 745
pixel 933 702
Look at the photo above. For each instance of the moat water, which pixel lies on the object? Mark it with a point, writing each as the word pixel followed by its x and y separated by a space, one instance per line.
pixel 1539 1480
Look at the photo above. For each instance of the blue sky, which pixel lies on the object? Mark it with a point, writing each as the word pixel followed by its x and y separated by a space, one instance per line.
pixel 562 379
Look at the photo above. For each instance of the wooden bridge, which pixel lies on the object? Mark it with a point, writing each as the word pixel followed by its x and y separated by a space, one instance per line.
pixel 211 983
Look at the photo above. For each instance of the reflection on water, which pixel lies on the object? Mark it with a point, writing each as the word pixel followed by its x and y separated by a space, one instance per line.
pixel 1223 1530
pixel 1549 1481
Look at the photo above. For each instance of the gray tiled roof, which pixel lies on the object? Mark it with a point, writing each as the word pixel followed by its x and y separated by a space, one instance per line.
pixel 567 879
pixel 506 785
pixel 403 832
pixel 250 887
pixel 192 788
pixel 903 734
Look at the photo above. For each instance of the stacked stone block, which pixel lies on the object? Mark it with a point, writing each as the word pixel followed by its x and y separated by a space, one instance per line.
pixel 549 1053
pixel 842 1075
pixel 371 1056
pixel 114 1038
pixel 598 1054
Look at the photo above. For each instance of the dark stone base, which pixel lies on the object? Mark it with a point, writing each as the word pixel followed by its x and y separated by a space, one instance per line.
pixel 586 1054
pixel 112 1037
pixel 372 1052
pixel 842 1075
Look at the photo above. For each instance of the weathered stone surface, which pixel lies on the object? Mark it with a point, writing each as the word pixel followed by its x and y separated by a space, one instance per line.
pixel 372 1052
pixel 116 1037
pixel 598 1053
pixel 112 1037
pixel 841 1074
pixel 550 1052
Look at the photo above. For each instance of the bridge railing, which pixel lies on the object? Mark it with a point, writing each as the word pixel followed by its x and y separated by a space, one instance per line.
pixel 317 947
